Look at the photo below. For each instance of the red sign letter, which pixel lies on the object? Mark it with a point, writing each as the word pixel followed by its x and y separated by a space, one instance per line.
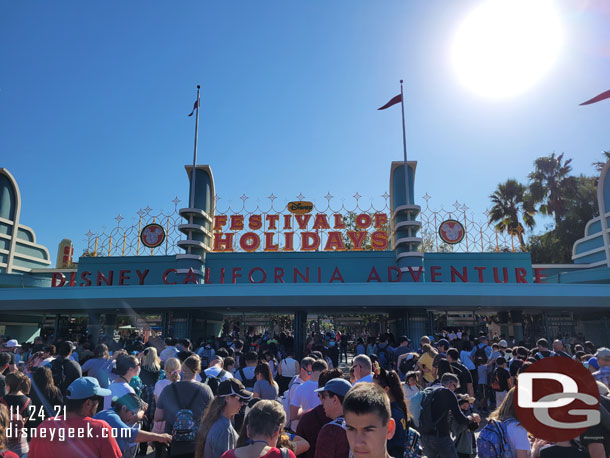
pixel 166 273
pixel 58 276
pixel 434 272
pixel 538 275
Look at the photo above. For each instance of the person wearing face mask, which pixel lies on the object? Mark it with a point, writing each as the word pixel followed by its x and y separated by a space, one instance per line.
pixel 127 367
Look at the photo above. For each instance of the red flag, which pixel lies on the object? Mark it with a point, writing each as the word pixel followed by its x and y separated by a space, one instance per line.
pixel 598 98
pixel 195 107
pixel 393 101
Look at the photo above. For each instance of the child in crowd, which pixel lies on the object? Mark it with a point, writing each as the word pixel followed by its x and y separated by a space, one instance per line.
pixel 465 442
pixel 411 387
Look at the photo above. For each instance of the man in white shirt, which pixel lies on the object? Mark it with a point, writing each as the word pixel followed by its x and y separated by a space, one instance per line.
pixel 304 375
pixel 362 369
pixel 216 370
pixel 305 396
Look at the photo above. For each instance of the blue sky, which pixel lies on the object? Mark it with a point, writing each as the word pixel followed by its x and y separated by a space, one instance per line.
pixel 94 98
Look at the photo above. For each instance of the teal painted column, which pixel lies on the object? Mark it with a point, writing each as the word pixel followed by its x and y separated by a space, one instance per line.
pixel 198 228
pixel 407 243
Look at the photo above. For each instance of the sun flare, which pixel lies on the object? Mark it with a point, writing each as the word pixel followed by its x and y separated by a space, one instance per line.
pixel 506 46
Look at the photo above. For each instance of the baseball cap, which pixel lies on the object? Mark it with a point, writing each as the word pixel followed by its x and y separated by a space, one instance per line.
pixel 12 344
pixel 86 387
pixel 338 386
pixel 503 343
pixel 233 387
pixel 603 353
pixel 443 343
pixel 404 339
pixel 131 401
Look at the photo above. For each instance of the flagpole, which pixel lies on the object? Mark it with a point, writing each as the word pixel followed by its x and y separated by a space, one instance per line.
pixel 404 145
pixel 192 199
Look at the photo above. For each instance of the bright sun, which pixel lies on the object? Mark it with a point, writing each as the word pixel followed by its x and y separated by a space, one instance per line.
pixel 505 46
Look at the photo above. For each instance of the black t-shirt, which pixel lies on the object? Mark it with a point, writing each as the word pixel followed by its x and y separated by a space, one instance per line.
pixel 502 375
pixel 443 402
pixel 556 451
pixel 149 377
pixel 2 385
pixel 464 376
pixel 514 366
pixel 597 434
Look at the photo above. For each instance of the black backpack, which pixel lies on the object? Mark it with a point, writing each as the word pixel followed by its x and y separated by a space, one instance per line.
pixel 248 382
pixel 481 355
pixel 407 365
pixel 427 423
pixel 60 377
pixel 213 382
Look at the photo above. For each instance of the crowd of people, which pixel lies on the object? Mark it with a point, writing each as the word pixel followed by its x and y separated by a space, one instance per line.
pixel 452 396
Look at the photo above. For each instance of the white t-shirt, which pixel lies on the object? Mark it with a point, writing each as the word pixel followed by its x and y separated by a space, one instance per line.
pixel 517 436
pixel 119 389
pixel 409 391
pixel 305 396
pixel 160 385
pixel 215 370
pixel 168 352
pixel 289 367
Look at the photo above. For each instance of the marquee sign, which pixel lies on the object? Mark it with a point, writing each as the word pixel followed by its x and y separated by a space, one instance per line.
pixel 451 231
pixel 152 235
pixel 301 231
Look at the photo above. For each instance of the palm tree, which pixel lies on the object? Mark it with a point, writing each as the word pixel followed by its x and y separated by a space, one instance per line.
pixel 511 204
pixel 551 185
pixel 599 166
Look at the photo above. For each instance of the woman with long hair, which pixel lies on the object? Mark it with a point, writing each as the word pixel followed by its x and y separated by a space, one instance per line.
pixel 149 374
pixel 44 394
pixel 4 425
pixel 265 387
pixel 391 384
pixel 516 434
pixel 17 387
pixel 100 366
pixel 216 433
pixel 263 430
pixel 425 363
pixel 172 370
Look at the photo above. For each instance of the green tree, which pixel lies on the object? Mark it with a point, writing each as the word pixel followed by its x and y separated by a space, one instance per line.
pixel 551 185
pixel 511 205
pixel 555 246
pixel 599 166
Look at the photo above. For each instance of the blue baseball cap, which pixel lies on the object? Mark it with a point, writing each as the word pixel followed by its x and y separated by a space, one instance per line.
pixel 86 387
pixel 338 386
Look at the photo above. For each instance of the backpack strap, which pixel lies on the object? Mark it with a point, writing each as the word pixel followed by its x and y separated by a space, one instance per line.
pixel 221 374
pixel 25 406
pixel 285 452
pixel 175 390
